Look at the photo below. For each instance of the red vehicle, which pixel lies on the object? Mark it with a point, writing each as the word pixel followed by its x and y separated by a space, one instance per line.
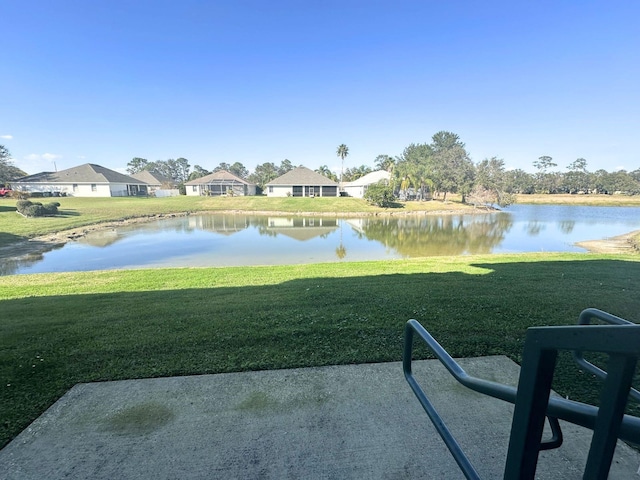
pixel 4 191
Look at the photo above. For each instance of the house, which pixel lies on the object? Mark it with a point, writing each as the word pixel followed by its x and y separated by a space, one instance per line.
pixel 88 180
pixel 220 183
pixel 159 185
pixel 358 187
pixel 302 182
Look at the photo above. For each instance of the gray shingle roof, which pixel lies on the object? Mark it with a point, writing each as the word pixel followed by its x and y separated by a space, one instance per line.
pixel 218 177
pixel 302 176
pixel 87 173
pixel 151 178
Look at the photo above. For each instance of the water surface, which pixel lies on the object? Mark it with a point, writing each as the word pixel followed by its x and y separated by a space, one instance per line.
pixel 237 240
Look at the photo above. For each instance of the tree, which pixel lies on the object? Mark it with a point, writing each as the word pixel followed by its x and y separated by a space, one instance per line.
pixel 452 170
pixel 137 165
pixel 8 171
pixel 491 183
pixel 519 181
pixel 355 173
pixel 413 171
pixel 385 162
pixel 198 172
pixel 239 170
pixel 546 182
pixel 285 166
pixel 342 152
pixel 182 168
pixel 380 194
pixel 176 170
pixel 222 166
pixel 325 171
pixel 263 174
pixel 577 178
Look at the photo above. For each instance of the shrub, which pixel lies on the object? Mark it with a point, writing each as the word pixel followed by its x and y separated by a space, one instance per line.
pixel 380 194
pixel 51 208
pixel 22 204
pixel 36 209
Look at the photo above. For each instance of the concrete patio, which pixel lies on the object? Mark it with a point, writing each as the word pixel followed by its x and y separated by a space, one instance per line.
pixel 339 422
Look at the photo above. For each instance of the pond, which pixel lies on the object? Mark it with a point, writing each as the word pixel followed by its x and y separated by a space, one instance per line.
pixel 236 240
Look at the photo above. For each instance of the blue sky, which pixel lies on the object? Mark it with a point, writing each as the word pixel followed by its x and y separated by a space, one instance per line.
pixel 260 81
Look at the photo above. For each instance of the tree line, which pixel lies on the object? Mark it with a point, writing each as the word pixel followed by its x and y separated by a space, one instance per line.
pixel 421 171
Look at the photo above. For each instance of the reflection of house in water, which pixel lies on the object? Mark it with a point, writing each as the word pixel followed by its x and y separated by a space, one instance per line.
pixel 223 224
pixel 302 228
pixel 357 224
pixel 100 238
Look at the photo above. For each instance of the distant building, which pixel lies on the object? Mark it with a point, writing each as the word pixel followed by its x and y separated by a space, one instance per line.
pixel 302 182
pixel 220 183
pixel 88 180
pixel 159 185
pixel 358 187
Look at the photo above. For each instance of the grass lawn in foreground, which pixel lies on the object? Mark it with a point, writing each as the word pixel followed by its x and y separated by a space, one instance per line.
pixel 57 330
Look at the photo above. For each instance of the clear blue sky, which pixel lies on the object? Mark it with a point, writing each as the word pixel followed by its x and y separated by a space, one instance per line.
pixel 103 81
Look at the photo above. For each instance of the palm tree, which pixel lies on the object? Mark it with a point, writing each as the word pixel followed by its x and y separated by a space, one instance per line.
pixel 343 151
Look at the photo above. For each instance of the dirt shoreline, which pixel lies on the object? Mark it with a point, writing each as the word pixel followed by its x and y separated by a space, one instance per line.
pixel 618 244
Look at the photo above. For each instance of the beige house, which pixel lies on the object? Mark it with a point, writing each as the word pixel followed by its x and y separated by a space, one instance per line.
pixel 302 182
pixel 220 183
pixel 88 180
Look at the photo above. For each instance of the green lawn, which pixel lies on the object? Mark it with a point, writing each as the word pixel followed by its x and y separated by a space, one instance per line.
pixel 60 329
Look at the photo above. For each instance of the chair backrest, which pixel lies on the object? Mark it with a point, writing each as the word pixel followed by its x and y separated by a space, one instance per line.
pixel 619 339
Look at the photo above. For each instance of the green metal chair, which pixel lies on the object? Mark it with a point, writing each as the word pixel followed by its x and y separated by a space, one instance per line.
pixel 619 338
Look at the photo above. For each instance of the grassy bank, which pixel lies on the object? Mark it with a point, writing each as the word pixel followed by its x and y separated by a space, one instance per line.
pixel 80 212
pixel 60 329
pixel 586 200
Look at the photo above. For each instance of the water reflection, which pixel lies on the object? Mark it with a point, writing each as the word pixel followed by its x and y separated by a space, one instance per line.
pixel 225 240
pixel 442 235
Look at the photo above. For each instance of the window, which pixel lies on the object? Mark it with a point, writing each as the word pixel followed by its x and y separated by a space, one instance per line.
pixel 270 189
pixel 75 187
pixel 93 187
pixel 194 188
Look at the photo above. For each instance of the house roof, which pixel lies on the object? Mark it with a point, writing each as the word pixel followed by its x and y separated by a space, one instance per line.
pixel 302 176
pixel 87 173
pixel 369 179
pixel 221 176
pixel 151 178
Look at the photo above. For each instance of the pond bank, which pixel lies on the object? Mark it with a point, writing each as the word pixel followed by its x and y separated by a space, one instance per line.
pixel 625 243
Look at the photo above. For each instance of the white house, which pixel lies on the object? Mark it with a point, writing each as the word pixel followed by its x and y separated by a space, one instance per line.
pixel 220 183
pixel 88 180
pixel 358 187
pixel 302 182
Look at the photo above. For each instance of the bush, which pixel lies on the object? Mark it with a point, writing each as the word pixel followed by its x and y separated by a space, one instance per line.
pixel 380 194
pixel 22 204
pixel 36 209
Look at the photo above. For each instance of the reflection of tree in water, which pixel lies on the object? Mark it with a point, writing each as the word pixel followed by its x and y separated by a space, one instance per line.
pixel 11 266
pixel 341 251
pixel 566 226
pixel 443 235
pixel 534 228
